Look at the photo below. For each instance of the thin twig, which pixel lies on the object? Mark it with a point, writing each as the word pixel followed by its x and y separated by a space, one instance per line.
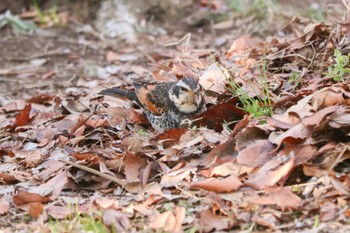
pixel 93 171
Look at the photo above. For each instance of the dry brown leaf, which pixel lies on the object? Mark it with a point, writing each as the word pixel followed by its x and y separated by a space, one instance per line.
pixel 317 118
pixel 30 157
pixel 327 98
pixel 270 174
pixel 295 133
pixel 89 156
pixel 209 221
pixel 23 197
pixel 256 154
pixel 280 196
pixel 228 184
pixel 214 79
pixel 23 117
pixel 36 209
pixel 117 219
pixel 171 134
pixel 175 177
pixel 241 45
pixel 165 221
pixel 133 165
pixel 328 211
pixel 56 184
pixel 14 106
pixel 7 178
pixel 4 206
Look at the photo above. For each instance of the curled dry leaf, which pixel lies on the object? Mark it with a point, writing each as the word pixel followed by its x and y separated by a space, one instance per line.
pixel 295 133
pixel 317 118
pixel 228 184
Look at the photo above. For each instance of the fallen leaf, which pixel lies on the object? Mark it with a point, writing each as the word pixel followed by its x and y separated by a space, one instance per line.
pixel 133 165
pixel 165 221
pixel 256 154
pixel 56 184
pixel 216 115
pixel 213 78
pixel 23 197
pixel 23 117
pixel 89 156
pixel 228 184
pixel 117 219
pixel 209 221
pixel 4 206
pixel 280 196
pixel 328 211
pixel 172 134
pixel 298 131
pixel 174 178
pixel 7 179
pixel 317 118
pixel 36 209
pixel 269 174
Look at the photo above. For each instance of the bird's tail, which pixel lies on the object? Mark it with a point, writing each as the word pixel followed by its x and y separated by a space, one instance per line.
pixel 121 93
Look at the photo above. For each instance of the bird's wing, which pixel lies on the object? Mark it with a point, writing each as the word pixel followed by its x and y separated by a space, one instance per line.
pixel 154 98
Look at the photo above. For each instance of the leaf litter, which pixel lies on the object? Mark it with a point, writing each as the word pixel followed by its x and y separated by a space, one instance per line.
pixel 76 152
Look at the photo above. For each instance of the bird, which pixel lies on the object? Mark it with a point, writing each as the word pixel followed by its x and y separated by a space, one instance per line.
pixel 166 105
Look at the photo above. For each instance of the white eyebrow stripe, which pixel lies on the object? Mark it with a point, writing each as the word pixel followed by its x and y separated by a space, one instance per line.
pixel 182 84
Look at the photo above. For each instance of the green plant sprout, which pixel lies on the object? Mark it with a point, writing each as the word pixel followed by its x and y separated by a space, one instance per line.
pixel 47 16
pixel 338 69
pixel 258 106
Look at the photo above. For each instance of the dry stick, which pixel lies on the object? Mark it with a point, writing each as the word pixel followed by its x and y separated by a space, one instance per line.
pixel 336 161
pixel 93 171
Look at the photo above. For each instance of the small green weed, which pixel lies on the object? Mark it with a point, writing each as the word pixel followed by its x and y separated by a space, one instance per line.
pixel 79 222
pixel 49 17
pixel 316 221
pixel 294 80
pixel 259 8
pixel 338 70
pixel 258 106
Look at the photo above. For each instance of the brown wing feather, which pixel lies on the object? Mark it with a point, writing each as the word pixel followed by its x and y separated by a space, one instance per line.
pixel 154 97
pixel 142 95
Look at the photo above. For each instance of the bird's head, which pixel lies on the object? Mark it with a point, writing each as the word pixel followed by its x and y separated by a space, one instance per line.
pixel 186 95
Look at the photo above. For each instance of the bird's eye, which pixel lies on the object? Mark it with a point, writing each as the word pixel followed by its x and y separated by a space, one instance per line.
pixel 183 89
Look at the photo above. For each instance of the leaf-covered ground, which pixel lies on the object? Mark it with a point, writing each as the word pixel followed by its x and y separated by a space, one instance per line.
pixel 74 161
